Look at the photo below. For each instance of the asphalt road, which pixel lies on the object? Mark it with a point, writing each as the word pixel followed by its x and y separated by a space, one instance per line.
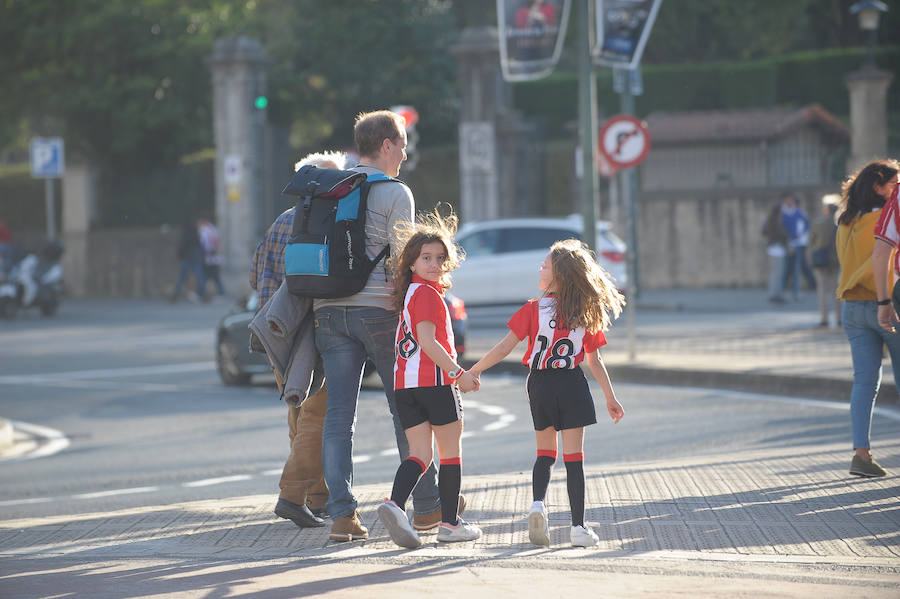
pixel 132 390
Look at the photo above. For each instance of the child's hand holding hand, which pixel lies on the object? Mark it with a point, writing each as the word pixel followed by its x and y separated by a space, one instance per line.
pixel 468 382
pixel 615 409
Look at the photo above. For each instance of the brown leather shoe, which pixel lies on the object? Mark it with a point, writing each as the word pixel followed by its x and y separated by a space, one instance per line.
pixel 429 521
pixel 348 528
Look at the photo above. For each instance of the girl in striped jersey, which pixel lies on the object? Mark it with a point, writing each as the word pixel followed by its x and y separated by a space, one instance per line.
pixel 428 379
pixel 564 327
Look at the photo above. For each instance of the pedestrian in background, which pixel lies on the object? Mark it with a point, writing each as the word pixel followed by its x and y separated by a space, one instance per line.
pixel 564 327
pixel 211 244
pixel 776 238
pixel 823 258
pixel 190 256
pixel 796 223
pixel 428 379
pixel 864 292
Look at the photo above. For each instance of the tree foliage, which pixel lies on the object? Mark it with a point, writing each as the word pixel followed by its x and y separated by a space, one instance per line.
pixel 692 31
pixel 122 81
pixel 126 84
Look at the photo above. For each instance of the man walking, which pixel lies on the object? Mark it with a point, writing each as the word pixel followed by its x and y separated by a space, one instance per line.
pixel 351 329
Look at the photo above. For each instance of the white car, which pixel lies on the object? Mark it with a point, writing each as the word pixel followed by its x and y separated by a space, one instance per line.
pixel 503 256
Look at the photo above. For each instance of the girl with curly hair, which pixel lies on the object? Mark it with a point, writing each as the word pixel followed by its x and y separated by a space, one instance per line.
pixel 564 327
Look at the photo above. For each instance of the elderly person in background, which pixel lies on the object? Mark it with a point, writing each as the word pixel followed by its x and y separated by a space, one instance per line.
pixel 303 490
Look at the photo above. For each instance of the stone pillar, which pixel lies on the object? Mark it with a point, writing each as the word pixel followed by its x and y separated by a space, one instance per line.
pixel 239 75
pixel 79 205
pixel 484 96
pixel 868 115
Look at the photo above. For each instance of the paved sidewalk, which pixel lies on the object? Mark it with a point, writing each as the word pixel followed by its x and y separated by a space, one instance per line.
pixel 708 526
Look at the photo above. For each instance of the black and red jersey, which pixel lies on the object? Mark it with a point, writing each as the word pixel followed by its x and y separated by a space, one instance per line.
pixel 551 345
pixel 412 367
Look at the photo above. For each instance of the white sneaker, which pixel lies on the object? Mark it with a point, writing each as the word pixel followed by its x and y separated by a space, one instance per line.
pixel 583 536
pixel 396 522
pixel 538 524
pixel 463 531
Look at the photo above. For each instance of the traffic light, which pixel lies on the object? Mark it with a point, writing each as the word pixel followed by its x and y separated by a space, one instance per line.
pixel 410 116
pixel 260 102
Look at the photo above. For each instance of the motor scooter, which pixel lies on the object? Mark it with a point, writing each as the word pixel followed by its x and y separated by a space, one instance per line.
pixel 9 301
pixel 35 281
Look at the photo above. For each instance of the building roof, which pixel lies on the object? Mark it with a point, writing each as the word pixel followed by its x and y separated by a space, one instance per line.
pixel 730 126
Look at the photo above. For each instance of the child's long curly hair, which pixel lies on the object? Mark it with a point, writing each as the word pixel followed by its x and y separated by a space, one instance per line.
pixel 584 291
pixel 429 228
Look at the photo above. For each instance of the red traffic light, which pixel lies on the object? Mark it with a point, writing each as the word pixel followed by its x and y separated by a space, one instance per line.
pixel 409 114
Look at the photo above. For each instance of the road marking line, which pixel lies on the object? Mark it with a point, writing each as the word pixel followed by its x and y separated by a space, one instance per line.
pixel 106 373
pixel 11 502
pixel 51 441
pixel 215 481
pixel 115 492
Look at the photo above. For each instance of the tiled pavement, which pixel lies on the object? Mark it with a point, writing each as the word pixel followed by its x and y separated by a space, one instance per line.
pixel 759 505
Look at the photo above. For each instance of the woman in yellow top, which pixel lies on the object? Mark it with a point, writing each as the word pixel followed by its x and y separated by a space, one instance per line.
pixel 864 195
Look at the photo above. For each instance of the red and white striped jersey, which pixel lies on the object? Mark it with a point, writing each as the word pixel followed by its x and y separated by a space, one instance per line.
pixel 412 367
pixel 551 346
pixel 888 226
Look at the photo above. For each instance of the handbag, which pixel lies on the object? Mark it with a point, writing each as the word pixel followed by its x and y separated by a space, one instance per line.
pixel 822 257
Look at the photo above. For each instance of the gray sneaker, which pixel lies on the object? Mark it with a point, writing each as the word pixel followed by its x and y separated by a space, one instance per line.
pixel 538 524
pixel 463 531
pixel 396 522
pixel 861 467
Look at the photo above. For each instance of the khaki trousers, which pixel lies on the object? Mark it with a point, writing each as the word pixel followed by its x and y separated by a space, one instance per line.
pixel 302 481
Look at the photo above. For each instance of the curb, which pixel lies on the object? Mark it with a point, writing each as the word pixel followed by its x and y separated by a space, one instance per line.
pixel 768 384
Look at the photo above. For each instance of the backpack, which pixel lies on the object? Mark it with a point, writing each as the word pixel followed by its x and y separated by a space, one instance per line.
pixel 325 256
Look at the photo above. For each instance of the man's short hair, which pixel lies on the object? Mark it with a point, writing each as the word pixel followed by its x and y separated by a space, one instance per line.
pixel 336 160
pixel 372 128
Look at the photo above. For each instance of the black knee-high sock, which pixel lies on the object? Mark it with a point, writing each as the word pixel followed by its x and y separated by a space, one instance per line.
pixel 575 485
pixel 449 483
pixel 408 474
pixel 540 474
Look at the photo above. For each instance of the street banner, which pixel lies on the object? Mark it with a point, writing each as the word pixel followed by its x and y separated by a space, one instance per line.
pixel 531 36
pixel 623 27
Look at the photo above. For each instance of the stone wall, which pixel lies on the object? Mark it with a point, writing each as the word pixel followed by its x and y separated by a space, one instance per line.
pixel 686 239
pixel 708 239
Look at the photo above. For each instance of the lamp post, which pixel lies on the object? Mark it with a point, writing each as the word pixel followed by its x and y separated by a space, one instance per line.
pixel 868 87
pixel 869 12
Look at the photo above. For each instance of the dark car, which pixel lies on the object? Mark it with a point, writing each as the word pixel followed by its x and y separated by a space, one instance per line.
pixel 237 364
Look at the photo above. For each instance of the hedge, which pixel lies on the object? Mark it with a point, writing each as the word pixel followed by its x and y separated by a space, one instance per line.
pixel 796 79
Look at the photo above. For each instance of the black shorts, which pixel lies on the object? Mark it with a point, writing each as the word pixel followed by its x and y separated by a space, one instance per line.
pixel 560 398
pixel 437 405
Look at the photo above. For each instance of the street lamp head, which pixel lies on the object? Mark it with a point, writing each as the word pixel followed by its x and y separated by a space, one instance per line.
pixel 868 12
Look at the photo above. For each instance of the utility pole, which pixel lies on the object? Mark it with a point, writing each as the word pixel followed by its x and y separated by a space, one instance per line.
pixel 587 122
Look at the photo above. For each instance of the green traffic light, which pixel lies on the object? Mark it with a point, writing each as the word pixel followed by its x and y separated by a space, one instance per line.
pixel 261 102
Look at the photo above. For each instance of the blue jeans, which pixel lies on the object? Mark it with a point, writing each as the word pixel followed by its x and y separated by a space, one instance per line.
pixel 190 266
pixel 867 341
pixel 345 337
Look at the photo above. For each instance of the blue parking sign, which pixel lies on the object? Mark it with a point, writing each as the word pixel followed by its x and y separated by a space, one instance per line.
pixel 47 157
